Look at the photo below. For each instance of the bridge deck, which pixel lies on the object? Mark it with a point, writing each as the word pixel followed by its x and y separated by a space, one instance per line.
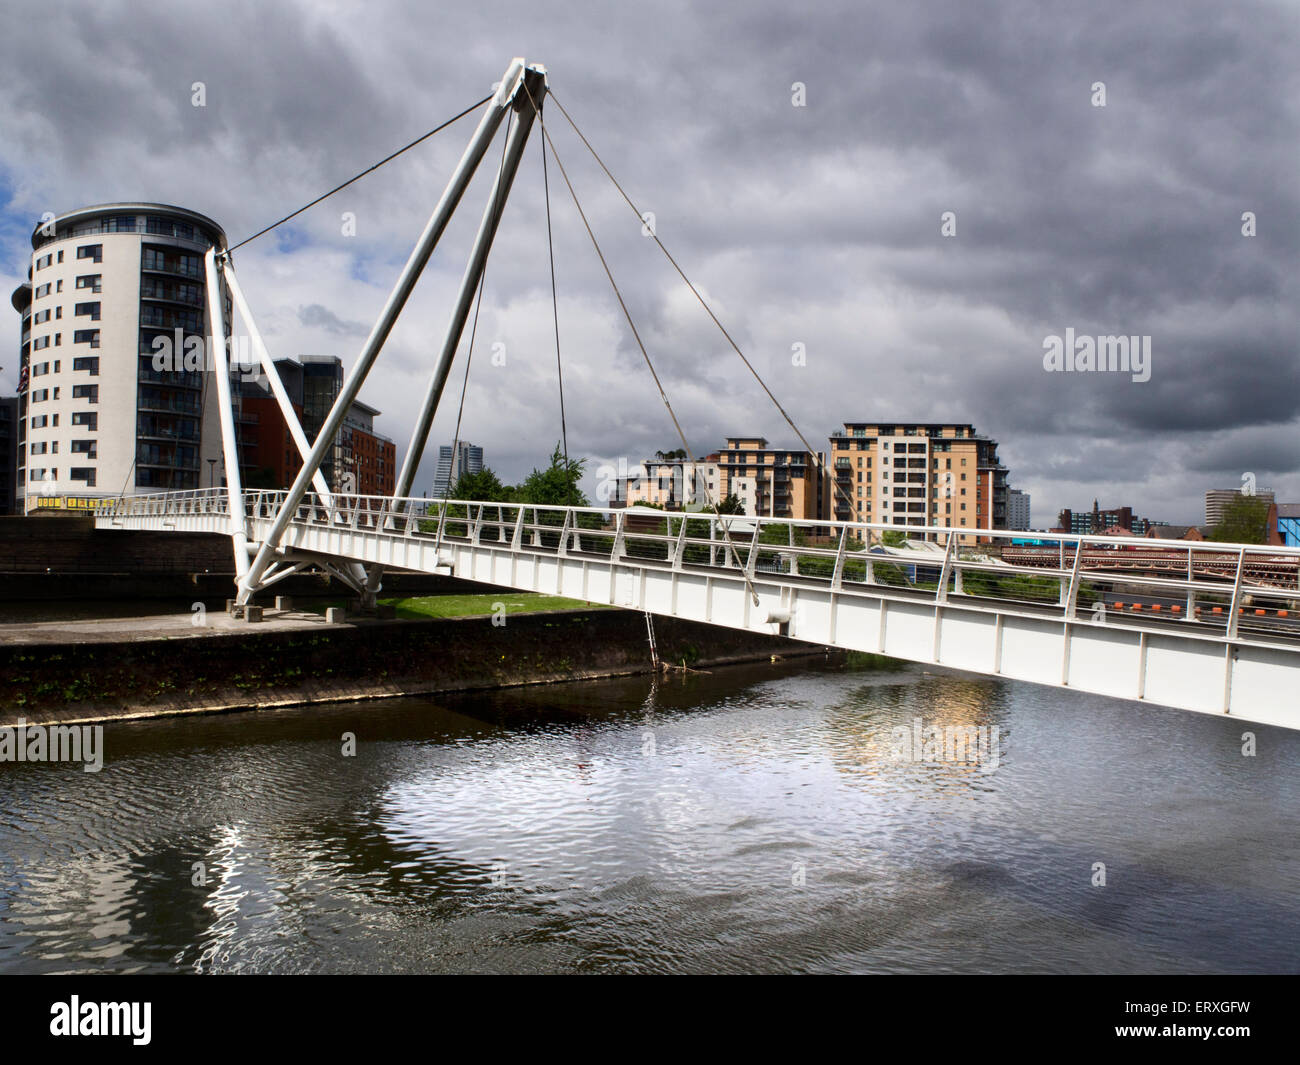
pixel 1216 633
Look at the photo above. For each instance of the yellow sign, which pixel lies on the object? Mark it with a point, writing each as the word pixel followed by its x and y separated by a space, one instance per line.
pixel 67 502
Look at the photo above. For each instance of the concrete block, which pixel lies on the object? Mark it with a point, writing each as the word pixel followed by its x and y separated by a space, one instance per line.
pixel 230 607
pixel 283 602
pixel 335 615
pixel 252 614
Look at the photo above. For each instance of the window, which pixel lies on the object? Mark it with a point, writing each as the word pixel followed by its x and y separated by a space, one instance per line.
pixel 40 343
pixel 44 261
pixel 40 395
pixel 60 260
pixel 87 418
pixel 91 310
pixel 39 421
pixel 41 316
pixel 89 363
pixel 83 473
pixel 41 290
pixel 94 282
pixel 58 311
pixel 90 393
pixel 40 448
pixel 57 364
pixel 84 447
pixel 40 369
pixel 86 336
pixel 94 252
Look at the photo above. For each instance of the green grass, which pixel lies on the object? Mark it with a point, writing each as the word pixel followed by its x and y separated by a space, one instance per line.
pixel 463 606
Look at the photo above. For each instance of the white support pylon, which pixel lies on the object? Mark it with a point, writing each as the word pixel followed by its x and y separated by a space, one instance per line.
pixel 433 230
pixel 225 405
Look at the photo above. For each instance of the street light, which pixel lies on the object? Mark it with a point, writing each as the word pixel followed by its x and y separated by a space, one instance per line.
pixel 212 472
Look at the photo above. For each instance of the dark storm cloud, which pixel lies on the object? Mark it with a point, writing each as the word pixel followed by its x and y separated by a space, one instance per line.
pixel 817 224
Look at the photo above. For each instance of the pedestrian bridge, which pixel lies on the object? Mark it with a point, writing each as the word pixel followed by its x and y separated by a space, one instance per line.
pixel 1206 634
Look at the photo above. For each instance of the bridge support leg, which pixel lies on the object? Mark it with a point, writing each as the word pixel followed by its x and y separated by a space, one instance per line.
pixel 226 407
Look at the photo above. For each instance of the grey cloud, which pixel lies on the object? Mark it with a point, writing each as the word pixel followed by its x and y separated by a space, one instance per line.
pixel 818 224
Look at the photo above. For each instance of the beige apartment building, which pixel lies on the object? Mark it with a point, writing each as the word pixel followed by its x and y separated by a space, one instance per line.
pixel 96 417
pixel 927 473
pixel 774 482
pixel 674 484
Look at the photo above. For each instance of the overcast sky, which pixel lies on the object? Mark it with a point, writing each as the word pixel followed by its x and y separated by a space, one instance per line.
pixel 818 225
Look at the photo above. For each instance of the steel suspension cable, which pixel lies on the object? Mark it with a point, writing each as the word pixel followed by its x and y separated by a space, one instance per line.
pixel 726 533
pixel 555 314
pixel 703 303
pixel 358 177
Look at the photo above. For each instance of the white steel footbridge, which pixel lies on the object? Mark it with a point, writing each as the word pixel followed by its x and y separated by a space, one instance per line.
pixel 1204 627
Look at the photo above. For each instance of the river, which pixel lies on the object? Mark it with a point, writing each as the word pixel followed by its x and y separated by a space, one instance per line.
pixel 754 819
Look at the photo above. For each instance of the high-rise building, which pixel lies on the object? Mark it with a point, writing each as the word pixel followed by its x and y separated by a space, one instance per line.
pixel 773 482
pixel 1217 500
pixel 113 288
pixel 361 462
pixel 1017 509
pixel 929 473
pixel 468 458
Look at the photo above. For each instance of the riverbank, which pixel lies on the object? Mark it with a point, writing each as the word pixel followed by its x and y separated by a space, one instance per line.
pixel 137 668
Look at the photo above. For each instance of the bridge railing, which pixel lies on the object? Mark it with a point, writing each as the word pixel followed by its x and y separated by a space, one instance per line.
pixel 1238 588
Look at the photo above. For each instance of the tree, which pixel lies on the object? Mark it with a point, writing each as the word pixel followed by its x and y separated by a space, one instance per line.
pixel 484 486
pixel 555 486
pixel 1245 521
pixel 730 505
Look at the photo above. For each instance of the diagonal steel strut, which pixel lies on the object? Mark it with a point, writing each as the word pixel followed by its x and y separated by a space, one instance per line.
pixel 510 84
pixel 535 86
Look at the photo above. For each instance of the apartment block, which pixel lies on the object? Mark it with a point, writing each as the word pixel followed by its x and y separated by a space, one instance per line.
pixel 674 484
pixel 784 483
pixel 928 473
pixel 1217 500
pixel 361 461
pixel 108 285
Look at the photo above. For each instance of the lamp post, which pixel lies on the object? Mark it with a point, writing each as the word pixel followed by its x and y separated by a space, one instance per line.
pixel 212 472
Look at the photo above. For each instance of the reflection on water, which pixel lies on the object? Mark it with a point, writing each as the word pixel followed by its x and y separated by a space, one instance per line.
pixel 748 820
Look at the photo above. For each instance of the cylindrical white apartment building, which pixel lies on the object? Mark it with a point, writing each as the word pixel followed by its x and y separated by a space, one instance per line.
pixel 97 417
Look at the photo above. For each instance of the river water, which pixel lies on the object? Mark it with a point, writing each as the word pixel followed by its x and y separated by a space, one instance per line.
pixel 755 819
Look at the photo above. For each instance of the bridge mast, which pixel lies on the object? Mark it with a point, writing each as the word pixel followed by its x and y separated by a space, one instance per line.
pixel 508 95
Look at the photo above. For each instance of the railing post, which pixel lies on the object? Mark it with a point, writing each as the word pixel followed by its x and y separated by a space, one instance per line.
pixel 1071 600
pixel 946 571
pixel 837 573
pixel 1236 594
pixel 679 549
pixel 619 548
